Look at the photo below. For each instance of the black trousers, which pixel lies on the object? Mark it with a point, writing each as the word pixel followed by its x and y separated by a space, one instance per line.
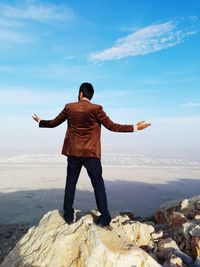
pixel 94 170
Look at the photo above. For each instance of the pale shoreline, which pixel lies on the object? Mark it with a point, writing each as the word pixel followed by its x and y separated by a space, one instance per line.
pixel 29 190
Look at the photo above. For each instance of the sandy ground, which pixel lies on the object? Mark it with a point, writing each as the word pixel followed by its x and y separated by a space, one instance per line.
pixel 28 191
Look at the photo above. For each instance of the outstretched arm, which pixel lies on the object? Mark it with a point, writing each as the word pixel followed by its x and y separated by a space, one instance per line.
pixel 62 116
pixel 110 125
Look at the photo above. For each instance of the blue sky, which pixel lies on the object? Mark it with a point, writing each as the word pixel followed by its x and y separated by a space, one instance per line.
pixel 141 56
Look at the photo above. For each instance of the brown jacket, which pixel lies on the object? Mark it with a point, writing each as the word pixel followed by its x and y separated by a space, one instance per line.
pixel 83 135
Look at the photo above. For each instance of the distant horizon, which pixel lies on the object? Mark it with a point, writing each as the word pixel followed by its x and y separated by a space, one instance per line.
pixel 158 155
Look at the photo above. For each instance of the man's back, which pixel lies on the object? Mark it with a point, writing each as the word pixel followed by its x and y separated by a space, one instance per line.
pixel 83 135
pixel 83 132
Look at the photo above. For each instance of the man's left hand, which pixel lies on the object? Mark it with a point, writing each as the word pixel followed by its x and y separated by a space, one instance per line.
pixel 141 125
pixel 36 118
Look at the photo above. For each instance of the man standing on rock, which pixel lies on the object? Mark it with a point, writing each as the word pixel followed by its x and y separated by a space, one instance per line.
pixel 82 146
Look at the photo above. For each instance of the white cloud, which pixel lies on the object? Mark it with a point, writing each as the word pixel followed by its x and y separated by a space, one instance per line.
pixel 38 12
pixel 14 20
pixel 191 105
pixel 144 41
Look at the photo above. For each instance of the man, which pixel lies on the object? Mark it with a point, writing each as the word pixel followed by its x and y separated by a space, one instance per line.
pixel 82 146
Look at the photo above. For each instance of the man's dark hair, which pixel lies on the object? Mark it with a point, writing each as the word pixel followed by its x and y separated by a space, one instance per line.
pixel 87 90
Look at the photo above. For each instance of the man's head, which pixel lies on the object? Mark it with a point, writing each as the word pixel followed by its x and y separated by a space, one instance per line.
pixel 86 90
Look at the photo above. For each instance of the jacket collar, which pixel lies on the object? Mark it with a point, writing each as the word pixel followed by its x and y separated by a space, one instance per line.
pixel 85 98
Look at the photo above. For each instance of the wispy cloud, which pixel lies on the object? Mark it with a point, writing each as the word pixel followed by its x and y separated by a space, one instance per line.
pixel 16 25
pixel 191 105
pixel 38 12
pixel 144 41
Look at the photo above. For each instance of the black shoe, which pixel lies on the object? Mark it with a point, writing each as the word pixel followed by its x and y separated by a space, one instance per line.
pixel 68 220
pixel 102 223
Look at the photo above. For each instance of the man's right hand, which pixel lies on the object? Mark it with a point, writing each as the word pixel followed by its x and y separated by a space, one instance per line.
pixel 36 118
pixel 141 125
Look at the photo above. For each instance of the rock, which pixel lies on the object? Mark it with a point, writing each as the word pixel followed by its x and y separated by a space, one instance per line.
pixel 54 243
pixel 197 217
pixel 195 246
pixel 157 235
pixel 173 241
pixel 173 261
pixel 197 261
pixel 186 207
pixel 139 233
pixel 176 261
pixel 197 204
pixel 160 217
pixel 167 244
pixel 184 257
pixel 128 213
pixel 176 219
pixel 177 234
pixel 172 254
pixel 182 245
pixel 186 229
pixel 195 231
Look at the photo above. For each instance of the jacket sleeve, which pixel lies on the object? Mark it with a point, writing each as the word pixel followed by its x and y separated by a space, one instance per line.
pixel 110 125
pixel 62 116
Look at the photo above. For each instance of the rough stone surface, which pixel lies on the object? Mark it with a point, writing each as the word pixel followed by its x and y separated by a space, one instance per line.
pixel 173 261
pixel 54 243
pixel 157 235
pixel 197 217
pixel 167 244
pixel 171 240
pixel 139 233
pixel 186 207
pixel 180 222
pixel 197 261
pixel 195 246
pixel 197 204
pixel 176 219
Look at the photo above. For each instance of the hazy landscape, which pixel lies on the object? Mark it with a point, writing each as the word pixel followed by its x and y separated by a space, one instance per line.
pixel 30 185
